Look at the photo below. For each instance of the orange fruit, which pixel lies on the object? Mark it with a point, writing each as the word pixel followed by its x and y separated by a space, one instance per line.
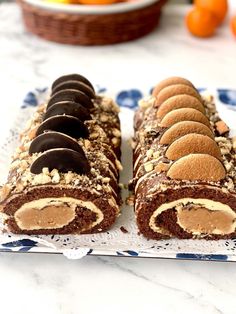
pixel 201 22
pixel 83 1
pixel 97 1
pixel 233 25
pixel 59 1
pixel 217 7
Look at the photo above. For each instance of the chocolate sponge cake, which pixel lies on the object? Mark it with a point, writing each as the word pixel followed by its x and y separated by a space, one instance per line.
pixel 64 175
pixel 184 166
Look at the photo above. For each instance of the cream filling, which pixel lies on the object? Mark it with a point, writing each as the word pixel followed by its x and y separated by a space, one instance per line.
pixel 112 175
pixel 112 165
pixel 136 148
pixel 113 191
pixel 149 164
pixel 142 178
pixel 203 216
pixel 112 202
pixel 52 213
pixel 137 161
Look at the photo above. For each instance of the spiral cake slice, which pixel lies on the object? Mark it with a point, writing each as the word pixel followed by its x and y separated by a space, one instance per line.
pixel 184 166
pixel 64 175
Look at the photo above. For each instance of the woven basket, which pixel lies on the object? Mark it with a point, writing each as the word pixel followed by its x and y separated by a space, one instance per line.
pixel 91 29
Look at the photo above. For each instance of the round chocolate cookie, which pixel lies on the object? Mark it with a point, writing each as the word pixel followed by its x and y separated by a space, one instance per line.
pixel 80 86
pixel 52 139
pixel 62 159
pixel 64 124
pixel 71 95
pixel 68 108
pixel 72 77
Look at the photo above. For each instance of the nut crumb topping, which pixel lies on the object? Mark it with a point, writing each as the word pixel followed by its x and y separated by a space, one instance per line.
pixel 104 132
pixel 147 138
pixel 130 200
pixel 234 143
pixel 221 127
pixel 118 165
pixel 148 166
pixel 162 167
pixel 55 176
pixel 4 192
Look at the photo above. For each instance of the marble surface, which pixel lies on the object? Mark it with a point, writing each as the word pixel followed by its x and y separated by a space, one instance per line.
pixel 34 283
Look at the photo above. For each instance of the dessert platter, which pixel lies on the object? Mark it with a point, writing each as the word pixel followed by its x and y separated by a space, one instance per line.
pixel 89 177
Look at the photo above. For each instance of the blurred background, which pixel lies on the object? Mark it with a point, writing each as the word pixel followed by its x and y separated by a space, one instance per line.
pixel 171 1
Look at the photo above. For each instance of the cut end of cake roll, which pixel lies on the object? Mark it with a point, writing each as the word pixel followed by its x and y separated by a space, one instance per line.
pixel 64 175
pixel 64 211
pixel 188 213
pixel 184 166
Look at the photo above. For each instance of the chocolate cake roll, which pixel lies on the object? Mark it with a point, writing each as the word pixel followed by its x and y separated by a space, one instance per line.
pixel 64 175
pixel 184 166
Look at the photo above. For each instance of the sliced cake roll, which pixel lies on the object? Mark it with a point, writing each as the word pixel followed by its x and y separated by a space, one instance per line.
pixel 184 166
pixel 64 175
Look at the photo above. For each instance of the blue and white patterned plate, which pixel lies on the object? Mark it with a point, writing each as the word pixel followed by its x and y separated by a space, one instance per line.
pixel 115 242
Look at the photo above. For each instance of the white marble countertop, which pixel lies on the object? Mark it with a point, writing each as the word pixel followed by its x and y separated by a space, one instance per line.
pixel 34 283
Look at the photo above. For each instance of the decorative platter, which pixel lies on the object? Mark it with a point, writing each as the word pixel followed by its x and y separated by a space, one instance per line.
pixel 123 239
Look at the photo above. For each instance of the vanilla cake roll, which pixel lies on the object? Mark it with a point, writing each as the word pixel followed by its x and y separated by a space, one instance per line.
pixel 184 166
pixel 64 175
